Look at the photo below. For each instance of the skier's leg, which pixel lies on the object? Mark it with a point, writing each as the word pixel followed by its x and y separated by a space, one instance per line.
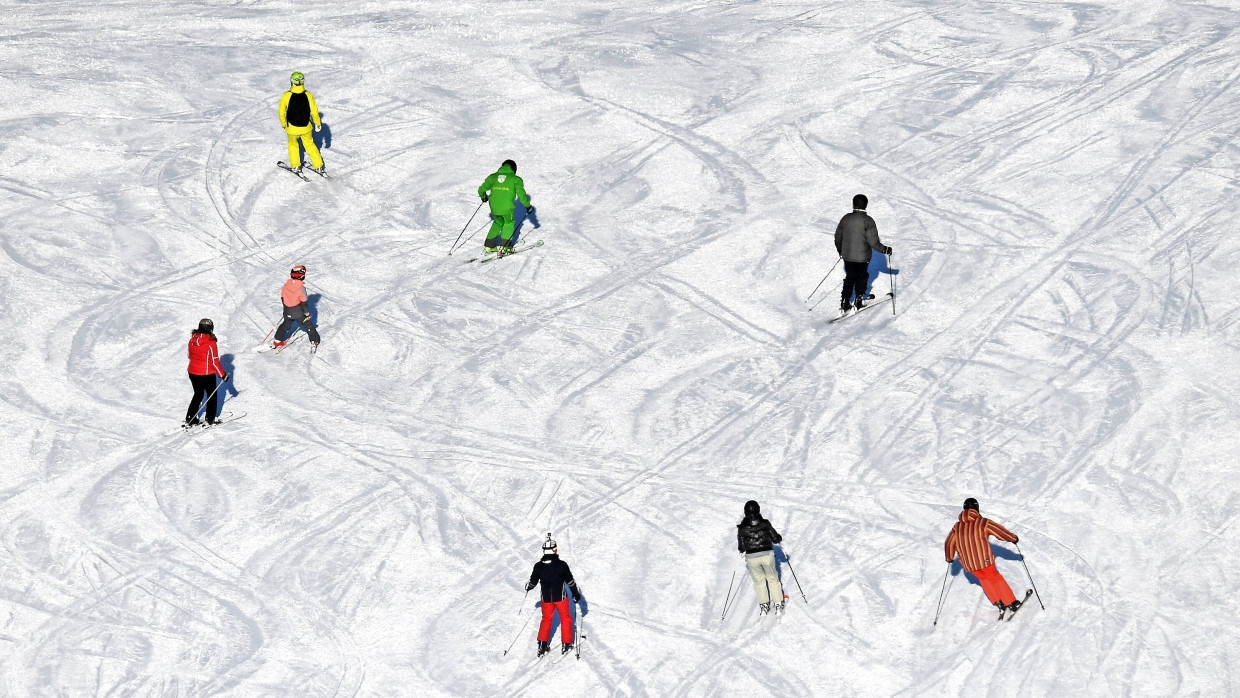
pixel 773 585
pixel 311 330
pixel 566 620
pixel 995 586
pixel 294 150
pixel 544 628
pixel 508 228
pixel 291 315
pixel 497 226
pixel 196 401
pixel 755 562
pixel 208 384
pixel 312 150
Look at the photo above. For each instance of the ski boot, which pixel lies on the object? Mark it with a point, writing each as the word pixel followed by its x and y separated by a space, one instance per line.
pixel 845 306
pixel 489 250
pixel 504 251
pixel 566 648
pixel 543 648
pixel 322 171
pixel 859 304
pixel 192 422
pixel 764 608
pixel 277 344
pixel 779 607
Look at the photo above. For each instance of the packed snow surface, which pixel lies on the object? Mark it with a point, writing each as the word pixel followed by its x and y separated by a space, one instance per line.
pixel 1059 184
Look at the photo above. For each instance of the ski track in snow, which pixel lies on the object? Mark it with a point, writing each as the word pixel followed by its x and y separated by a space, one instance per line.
pixel 1057 182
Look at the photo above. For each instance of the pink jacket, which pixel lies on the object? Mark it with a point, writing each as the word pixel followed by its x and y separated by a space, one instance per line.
pixel 294 293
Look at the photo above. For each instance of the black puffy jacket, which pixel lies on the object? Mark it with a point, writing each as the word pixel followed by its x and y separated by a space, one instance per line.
pixel 755 535
pixel 553 574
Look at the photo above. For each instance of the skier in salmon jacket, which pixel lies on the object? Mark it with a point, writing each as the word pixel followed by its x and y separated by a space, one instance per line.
pixel 856 239
pixel 204 366
pixel 553 574
pixel 969 541
pixel 756 539
pixel 298 111
pixel 502 189
pixel 296 309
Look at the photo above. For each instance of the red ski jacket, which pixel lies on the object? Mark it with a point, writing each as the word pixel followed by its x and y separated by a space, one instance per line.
pixel 204 356
pixel 969 540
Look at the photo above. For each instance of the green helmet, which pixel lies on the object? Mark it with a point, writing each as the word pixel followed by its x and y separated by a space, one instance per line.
pixel 297 78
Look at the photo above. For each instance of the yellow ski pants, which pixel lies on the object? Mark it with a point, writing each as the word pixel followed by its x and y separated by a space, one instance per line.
pixel 306 134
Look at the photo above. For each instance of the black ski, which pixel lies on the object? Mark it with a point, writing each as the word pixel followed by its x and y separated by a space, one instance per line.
pixel 863 308
pixel 518 250
pixel 285 166
pixel 1028 593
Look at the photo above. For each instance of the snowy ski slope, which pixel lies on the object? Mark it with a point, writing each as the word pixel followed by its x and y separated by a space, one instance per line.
pixel 1059 184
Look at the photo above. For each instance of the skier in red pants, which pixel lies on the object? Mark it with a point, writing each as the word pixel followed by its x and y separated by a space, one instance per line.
pixel 969 540
pixel 553 574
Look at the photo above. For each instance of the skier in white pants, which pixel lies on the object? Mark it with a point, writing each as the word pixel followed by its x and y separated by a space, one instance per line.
pixel 756 539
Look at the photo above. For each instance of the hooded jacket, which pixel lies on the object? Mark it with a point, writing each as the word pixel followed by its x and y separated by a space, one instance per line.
pixel 293 293
pixel 298 108
pixel 968 539
pixel 553 574
pixel 501 189
pixel 755 534
pixel 855 237
pixel 204 355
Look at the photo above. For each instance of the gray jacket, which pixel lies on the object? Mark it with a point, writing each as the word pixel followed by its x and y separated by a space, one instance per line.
pixel 856 236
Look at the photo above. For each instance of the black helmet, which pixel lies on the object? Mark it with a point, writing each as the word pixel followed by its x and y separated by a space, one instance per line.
pixel 752 508
pixel 205 325
pixel 549 545
pixel 510 163
pixel 860 202
pixel 971 503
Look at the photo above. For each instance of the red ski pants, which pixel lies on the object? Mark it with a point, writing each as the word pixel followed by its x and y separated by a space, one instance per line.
pixel 995 586
pixel 566 620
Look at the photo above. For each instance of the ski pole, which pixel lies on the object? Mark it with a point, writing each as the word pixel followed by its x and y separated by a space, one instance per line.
pixel 727 599
pixel 794 578
pixel 892 274
pixel 471 220
pixel 519 614
pixel 824 279
pixel 939 609
pixel 1035 586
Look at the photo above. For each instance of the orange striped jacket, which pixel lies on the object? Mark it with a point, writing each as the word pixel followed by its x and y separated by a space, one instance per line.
pixel 969 540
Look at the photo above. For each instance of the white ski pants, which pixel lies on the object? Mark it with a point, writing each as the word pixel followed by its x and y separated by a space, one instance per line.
pixel 765 581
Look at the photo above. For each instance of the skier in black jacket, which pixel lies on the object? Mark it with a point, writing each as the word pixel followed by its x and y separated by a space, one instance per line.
pixel 856 238
pixel 553 574
pixel 756 539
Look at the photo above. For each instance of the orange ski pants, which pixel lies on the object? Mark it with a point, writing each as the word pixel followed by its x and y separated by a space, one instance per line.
pixel 566 620
pixel 995 586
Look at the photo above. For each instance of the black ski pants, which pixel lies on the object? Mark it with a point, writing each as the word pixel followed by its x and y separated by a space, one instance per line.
pixel 297 313
pixel 203 386
pixel 856 279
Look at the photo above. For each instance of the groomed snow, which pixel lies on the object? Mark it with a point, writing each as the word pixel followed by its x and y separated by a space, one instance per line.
pixel 1058 181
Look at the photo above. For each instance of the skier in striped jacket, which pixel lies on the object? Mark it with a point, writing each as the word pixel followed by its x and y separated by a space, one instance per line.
pixel 969 540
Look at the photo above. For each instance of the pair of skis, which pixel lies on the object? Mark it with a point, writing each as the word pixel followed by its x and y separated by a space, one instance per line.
pixel 200 427
pixel 298 171
pixel 492 256
pixel 862 309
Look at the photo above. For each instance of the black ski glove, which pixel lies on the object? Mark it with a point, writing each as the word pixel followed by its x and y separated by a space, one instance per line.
pixel 529 210
pixel 888 252
pixel 484 198
pixel 531 585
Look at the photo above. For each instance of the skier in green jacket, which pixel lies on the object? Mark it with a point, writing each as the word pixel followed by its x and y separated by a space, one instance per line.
pixel 502 190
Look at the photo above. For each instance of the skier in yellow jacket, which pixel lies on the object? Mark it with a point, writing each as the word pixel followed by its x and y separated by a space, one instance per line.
pixel 297 112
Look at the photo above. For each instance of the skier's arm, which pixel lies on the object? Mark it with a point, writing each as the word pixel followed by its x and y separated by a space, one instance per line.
pixel 1000 532
pixel 776 539
pixel 533 579
pixel 949 546
pixel 839 238
pixel 740 540
pixel 521 195
pixel 486 187
pixel 314 111
pixel 572 583
pixel 871 237
pixel 213 361
pixel 284 109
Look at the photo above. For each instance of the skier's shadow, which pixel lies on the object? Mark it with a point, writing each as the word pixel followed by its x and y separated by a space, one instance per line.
pixel 312 302
pixel 322 137
pixel 878 266
pixel 518 219
pixel 999 552
pixel 228 387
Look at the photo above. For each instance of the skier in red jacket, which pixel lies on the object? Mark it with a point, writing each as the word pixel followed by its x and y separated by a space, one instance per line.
pixel 969 540
pixel 204 366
